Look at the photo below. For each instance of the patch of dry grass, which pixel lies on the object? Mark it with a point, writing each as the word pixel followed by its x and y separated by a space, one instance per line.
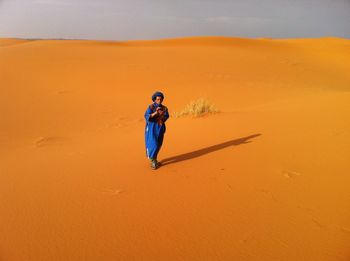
pixel 197 108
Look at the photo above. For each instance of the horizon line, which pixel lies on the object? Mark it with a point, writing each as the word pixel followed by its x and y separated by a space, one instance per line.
pixel 178 37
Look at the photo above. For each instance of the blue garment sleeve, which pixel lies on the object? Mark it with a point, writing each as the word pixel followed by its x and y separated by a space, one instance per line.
pixel 148 113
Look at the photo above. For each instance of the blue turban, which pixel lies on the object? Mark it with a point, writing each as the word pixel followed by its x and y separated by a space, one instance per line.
pixel 157 94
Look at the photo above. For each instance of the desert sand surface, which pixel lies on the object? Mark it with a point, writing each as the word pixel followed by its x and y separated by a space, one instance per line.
pixel 267 178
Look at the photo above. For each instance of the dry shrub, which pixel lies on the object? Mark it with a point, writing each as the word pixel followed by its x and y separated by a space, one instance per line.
pixel 197 108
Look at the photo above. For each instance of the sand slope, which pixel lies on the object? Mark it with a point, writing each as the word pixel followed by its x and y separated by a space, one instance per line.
pixel 266 179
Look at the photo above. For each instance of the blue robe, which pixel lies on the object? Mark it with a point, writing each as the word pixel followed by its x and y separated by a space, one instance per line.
pixel 154 132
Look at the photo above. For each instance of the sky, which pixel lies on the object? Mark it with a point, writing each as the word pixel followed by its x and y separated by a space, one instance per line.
pixel 157 19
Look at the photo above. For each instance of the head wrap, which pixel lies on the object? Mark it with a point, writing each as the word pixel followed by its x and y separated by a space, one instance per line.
pixel 157 94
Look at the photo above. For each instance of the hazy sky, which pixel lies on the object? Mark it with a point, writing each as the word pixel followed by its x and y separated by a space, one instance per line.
pixel 154 19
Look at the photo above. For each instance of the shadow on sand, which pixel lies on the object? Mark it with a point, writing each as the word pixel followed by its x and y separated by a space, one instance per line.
pixel 206 150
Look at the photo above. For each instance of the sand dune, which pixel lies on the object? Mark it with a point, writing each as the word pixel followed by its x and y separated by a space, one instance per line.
pixel 265 179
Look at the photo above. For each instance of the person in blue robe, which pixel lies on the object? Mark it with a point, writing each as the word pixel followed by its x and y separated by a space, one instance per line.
pixel 156 115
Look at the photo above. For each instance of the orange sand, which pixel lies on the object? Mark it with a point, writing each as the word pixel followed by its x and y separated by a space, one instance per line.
pixel 266 179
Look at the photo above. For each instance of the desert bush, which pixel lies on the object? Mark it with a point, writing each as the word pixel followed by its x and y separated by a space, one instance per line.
pixel 197 108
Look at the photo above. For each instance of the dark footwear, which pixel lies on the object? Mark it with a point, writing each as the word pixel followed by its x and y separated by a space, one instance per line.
pixel 157 163
pixel 153 164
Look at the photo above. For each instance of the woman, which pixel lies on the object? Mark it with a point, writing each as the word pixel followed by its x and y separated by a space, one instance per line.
pixel 156 116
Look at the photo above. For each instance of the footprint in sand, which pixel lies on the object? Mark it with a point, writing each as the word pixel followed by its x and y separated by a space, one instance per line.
pixel 246 238
pixel 49 140
pixel 290 62
pixel 268 193
pixel 290 174
pixel 318 223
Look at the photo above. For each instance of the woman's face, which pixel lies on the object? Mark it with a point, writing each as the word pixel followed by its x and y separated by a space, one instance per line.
pixel 158 100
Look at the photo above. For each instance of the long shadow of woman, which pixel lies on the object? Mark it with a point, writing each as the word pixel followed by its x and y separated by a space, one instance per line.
pixel 206 150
